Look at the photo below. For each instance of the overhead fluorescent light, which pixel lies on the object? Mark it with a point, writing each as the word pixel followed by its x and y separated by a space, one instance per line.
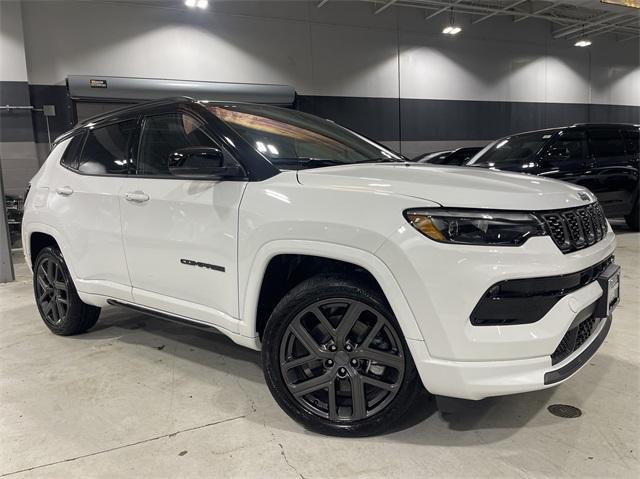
pixel 582 43
pixel 197 3
pixel 452 30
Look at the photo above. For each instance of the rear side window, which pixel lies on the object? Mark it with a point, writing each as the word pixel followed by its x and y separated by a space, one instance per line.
pixel 106 150
pixel 632 137
pixel 71 154
pixel 606 142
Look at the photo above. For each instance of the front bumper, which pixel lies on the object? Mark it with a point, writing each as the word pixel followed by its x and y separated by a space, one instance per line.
pixel 478 380
pixel 444 283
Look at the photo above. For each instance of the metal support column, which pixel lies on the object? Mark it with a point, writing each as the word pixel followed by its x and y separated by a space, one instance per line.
pixel 6 261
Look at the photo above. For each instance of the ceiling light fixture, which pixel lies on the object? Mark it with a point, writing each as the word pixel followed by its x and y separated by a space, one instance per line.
pixel 452 28
pixel 202 4
pixel 582 43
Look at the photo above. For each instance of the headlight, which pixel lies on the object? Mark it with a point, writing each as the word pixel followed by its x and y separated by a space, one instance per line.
pixel 477 227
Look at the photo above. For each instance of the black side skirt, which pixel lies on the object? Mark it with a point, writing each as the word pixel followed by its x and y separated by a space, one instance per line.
pixel 565 371
pixel 165 316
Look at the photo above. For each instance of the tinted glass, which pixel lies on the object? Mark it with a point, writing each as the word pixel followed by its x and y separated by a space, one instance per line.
pixel 460 156
pixel 164 134
pixel 292 139
pixel 105 151
pixel 574 143
pixel 606 142
pixel 516 152
pixel 632 138
pixel 71 154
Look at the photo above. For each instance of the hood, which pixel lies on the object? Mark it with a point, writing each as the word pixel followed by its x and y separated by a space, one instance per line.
pixel 462 187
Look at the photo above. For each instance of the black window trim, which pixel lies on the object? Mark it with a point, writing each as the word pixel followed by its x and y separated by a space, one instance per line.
pixel 215 137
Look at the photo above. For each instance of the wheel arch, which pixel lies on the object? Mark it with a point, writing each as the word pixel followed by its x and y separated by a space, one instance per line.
pixel 38 236
pixel 340 256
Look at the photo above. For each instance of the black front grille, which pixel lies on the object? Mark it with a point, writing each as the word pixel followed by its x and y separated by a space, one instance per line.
pixel 574 338
pixel 576 228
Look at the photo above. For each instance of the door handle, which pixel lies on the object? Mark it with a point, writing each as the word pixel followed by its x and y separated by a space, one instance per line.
pixel 136 196
pixel 64 191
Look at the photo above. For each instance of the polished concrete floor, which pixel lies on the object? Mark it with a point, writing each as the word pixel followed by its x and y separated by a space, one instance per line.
pixel 137 397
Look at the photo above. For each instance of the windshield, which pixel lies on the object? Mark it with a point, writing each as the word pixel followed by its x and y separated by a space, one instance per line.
pixel 513 151
pixel 291 139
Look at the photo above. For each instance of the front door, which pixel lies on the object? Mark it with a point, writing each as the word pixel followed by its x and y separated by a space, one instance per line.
pixel 180 235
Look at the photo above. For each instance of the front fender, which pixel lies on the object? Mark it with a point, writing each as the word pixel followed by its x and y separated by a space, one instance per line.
pixel 250 286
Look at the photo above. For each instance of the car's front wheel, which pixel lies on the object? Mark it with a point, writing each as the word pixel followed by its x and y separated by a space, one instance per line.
pixel 58 302
pixel 335 359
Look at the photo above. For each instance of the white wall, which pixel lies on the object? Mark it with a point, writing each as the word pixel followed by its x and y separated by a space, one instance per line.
pixel 13 65
pixel 341 49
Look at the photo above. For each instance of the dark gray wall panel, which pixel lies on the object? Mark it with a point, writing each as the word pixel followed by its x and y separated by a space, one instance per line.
pixel 15 125
pixel 51 95
pixel 438 120
pixel 373 117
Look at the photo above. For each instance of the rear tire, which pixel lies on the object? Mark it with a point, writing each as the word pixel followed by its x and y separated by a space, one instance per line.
pixel 60 307
pixel 335 359
pixel 633 218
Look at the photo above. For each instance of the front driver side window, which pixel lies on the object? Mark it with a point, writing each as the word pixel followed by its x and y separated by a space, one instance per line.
pixel 164 134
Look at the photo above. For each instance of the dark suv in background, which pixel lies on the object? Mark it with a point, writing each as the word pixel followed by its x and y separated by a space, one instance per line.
pixel 602 157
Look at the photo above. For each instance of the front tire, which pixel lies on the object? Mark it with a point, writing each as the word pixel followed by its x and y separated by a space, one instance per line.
pixel 60 307
pixel 335 359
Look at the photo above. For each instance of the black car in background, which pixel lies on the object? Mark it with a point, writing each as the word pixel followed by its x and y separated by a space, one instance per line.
pixel 448 157
pixel 602 157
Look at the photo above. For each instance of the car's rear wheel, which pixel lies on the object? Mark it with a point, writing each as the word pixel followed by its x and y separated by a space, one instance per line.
pixel 335 359
pixel 633 218
pixel 60 307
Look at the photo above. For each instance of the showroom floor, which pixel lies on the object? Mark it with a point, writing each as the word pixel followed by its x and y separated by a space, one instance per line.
pixel 139 397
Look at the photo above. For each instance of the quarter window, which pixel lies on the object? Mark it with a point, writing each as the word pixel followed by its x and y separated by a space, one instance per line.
pixel 606 142
pixel 106 150
pixel 71 154
pixel 164 134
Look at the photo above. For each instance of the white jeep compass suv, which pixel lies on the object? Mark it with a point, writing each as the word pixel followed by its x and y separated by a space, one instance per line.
pixel 359 275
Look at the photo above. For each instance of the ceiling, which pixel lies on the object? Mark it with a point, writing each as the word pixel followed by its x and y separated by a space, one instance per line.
pixel 571 18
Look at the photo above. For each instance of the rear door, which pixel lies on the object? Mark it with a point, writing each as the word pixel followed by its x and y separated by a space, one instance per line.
pixel 180 235
pixel 617 178
pixel 85 202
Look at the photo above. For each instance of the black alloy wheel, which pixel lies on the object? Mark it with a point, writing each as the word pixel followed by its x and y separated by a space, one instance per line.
pixel 60 307
pixel 52 291
pixel 341 359
pixel 335 359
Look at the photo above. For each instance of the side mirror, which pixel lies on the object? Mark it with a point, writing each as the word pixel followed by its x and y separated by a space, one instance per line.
pixel 200 162
pixel 557 153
